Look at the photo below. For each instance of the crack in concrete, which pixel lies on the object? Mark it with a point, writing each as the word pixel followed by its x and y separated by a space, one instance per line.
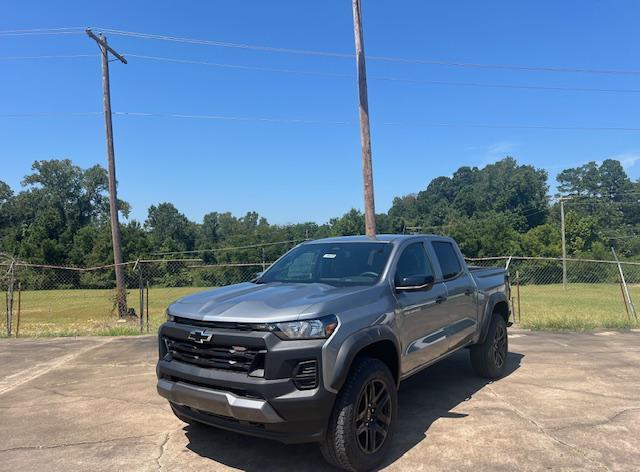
pixel 98 397
pixel 72 444
pixel 570 390
pixel 610 419
pixel 162 448
pixel 546 433
pixel 89 380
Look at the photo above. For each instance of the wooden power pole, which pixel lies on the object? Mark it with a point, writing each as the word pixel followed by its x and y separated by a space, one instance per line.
pixel 365 133
pixel 121 293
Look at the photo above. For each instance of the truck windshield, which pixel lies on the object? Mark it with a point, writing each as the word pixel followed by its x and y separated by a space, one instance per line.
pixel 331 263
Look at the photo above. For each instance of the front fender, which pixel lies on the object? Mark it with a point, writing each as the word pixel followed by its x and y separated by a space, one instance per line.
pixel 353 345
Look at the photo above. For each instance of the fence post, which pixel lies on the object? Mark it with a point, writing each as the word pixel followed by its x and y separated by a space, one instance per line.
pixel 12 279
pixel 147 305
pixel 625 290
pixel 141 289
pixel 518 295
pixel 19 303
pixel 633 305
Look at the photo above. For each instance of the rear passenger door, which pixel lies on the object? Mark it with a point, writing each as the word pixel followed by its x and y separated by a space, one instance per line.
pixel 422 315
pixel 461 289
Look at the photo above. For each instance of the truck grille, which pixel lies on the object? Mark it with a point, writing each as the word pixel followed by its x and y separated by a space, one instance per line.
pixel 215 356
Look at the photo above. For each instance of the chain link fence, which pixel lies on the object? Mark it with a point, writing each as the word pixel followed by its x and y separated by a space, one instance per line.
pixel 592 294
pixel 69 301
pixel 41 300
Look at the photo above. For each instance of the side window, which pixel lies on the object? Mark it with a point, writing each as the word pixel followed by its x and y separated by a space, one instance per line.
pixel 413 261
pixel 448 259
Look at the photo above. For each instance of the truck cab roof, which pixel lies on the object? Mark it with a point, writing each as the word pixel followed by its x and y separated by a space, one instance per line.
pixel 383 238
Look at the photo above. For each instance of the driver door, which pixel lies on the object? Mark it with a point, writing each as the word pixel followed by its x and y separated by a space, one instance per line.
pixel 421 314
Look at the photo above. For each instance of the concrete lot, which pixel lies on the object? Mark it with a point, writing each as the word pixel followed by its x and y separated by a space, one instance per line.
pixel 570 402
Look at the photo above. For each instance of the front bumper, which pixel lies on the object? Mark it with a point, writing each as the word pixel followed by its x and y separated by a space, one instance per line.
pixel 218 402
pixel 270 405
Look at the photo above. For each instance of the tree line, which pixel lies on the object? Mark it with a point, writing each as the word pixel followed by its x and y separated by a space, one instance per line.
pixel 60 216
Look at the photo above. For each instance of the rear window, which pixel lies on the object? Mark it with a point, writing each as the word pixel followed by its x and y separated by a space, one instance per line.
pixel 448 259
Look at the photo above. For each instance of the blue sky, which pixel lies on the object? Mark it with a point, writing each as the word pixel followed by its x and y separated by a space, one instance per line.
pixel 292 172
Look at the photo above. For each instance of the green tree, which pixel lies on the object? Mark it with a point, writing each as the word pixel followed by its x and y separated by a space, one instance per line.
pixel 170 230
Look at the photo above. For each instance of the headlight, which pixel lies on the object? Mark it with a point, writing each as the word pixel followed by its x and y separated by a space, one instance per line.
pixel 306 329
pixel 169 317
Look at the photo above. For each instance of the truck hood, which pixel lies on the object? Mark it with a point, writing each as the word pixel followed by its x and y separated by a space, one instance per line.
pixel 254 303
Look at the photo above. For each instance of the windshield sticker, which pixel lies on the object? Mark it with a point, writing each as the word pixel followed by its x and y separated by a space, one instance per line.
pixel 329 256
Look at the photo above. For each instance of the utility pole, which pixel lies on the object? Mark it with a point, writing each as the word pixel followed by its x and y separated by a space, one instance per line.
pixel 564 243
pixel 365 133
pixel 121 294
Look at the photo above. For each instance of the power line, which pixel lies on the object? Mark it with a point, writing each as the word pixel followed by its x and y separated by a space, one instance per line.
pixel 238 66
pixel 221 249
pixel 326 122
pixel 418 124
pixel 234 118
pixel 476 65
pixel 206 42
pixel 513 126
pixel 382 78
pixel 609 202
pixel 52 56
pixel 606 197
pixel 41 30
pixel 50 114
pixel 43 33
pixel 244 67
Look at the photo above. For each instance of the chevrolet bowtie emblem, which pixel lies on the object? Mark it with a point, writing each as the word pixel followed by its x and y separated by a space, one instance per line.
pixel 200 336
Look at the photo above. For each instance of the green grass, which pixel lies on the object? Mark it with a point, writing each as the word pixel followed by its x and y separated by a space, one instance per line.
pixel 91 312
pixel 579 307
pixel 87 312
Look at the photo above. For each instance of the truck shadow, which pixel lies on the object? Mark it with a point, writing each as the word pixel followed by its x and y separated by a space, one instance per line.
pixel 423 399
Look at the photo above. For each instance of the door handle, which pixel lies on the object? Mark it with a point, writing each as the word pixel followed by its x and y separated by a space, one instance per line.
pixel 440 299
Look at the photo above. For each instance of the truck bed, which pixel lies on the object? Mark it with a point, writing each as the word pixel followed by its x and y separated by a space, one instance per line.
pixel 489 279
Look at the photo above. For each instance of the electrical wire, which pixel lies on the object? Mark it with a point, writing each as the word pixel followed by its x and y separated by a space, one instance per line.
pixel 325 122
pixel 221 249
pixel 381 78
pixel 42 33
pixel 244 67
pixel 41 30
pixel 161 37
pixel 52 113
pixel 52 56
pixel 206 42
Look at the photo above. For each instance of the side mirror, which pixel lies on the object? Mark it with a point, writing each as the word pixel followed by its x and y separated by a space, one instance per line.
pixel 414 283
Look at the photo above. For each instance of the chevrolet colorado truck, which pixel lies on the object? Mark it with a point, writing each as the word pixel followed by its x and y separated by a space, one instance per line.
pixel 314 349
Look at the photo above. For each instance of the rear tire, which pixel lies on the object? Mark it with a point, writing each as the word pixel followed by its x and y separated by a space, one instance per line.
pixel 361 424
pixel 489 358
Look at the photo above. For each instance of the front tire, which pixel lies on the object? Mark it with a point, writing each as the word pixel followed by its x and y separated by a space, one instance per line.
pixel 361 424
pixel 489 358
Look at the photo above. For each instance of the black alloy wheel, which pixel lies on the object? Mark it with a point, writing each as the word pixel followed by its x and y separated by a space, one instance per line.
pixel 373 417
pixel 499 348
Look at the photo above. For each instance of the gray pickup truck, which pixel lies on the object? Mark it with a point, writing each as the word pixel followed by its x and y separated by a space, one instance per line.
pixel 314 349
